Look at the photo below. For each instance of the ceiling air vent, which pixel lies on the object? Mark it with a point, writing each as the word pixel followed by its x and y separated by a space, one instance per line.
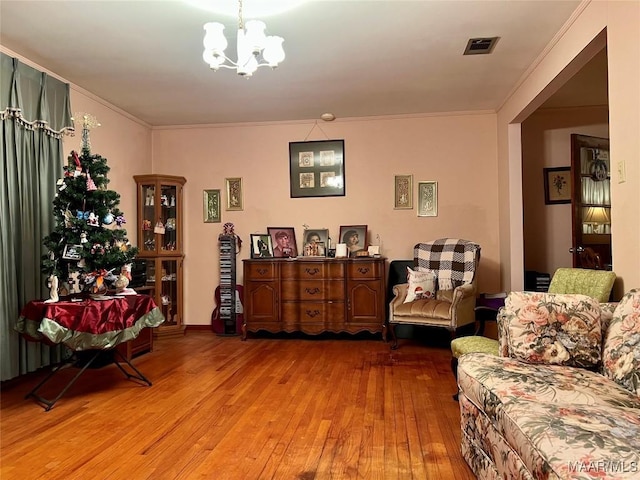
pixel 480 46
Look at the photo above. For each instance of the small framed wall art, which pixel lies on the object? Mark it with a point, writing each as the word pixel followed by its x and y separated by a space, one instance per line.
pixel 316 168
pixel 403 192
pixel 234 193
pixel 212 206
pixel 427 199
pixel 557 185
pixel 261 246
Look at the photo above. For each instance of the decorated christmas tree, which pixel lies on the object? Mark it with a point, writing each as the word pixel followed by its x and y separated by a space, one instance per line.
pixel 88 249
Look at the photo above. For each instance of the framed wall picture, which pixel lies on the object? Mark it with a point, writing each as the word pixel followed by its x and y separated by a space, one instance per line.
pixel 284 241
pixel 212 206
pixel 557 185
pixel 234 193
pixel 403 192
pixel 355 237
pixel 261 246
pixel 316 168
pixel 427 199
pixel 316 242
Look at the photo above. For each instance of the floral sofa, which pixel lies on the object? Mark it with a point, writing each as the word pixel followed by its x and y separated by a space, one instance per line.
pixel 562 399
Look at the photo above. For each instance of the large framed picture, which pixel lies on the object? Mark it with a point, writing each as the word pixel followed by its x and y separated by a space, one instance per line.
pixel 316 168
pixel 427 199
pixel 355 237
pixel 557 185
pixel 261 246
pixel 212 206
pixel 316 242
pixel 284 241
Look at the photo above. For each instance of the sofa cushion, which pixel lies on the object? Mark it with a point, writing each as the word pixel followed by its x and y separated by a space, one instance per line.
pixel 422 285
pixel 553 419
pixel 552 328
pixel 621 349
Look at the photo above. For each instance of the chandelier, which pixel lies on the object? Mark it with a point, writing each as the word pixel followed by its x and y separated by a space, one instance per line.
pixel 255 49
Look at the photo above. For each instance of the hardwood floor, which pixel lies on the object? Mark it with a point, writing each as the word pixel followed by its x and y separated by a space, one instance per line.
pixel 267 408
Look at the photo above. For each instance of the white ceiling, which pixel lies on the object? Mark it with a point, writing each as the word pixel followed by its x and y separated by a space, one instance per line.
pixel 351 58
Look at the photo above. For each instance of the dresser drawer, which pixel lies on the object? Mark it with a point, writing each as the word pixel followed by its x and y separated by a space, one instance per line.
pixel 365 270
pixel 301 270
pixel 313 290
pixel 260 270
pixel 311 312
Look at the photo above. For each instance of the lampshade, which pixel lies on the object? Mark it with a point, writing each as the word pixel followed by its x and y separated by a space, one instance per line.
pixel 597 215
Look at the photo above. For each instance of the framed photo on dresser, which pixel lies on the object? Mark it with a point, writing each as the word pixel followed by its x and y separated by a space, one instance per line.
pixel 284 241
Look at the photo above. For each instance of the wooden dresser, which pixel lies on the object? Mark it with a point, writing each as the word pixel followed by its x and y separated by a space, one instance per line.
pixel 314 295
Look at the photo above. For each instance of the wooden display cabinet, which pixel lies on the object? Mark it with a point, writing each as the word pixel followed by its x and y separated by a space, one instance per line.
pixel 160 243
pixel 314 295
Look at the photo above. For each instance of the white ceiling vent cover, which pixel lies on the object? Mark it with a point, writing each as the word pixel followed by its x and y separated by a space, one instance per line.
pixel 480 46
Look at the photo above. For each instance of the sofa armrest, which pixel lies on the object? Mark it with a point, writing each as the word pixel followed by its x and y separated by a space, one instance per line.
pixel 462 292
pixel 400 293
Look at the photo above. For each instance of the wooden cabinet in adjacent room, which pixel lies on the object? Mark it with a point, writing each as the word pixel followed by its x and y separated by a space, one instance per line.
pixel 314 295
pixel 160 224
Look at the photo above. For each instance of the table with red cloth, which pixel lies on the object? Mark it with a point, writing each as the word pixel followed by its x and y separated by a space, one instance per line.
pixel 93 324
pixel 89 324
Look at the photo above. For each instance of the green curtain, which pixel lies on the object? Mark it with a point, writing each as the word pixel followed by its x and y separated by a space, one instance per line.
pixel 35 114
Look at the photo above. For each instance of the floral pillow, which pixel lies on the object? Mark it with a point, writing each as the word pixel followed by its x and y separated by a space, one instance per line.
pixel 422 285
pixel 559 329
pixel 621 352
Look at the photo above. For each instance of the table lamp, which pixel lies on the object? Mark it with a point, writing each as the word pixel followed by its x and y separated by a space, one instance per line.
pixel 598 217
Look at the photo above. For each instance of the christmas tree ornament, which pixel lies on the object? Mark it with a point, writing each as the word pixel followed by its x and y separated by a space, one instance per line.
pixel 76 159
pixel 82 215
pixel 67 218
pixel 91 185
pixel 120 220
pixel 93 220
pixel 83 237
pixel 108 219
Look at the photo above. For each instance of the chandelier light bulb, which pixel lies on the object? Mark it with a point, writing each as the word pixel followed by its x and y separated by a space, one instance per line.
pixel 254 34
pixel 273 52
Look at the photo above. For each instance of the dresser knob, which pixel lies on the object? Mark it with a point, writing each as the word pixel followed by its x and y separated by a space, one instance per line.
pixel 312 291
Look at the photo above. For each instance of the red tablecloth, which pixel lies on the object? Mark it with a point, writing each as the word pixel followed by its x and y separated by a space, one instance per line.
pixel 89 324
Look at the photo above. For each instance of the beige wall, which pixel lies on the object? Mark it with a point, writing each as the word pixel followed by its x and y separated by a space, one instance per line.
pixel 457 151
pixel 618 24
pixel 546 142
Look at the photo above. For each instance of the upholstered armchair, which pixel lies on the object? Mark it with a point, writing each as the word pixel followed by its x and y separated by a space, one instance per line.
pixel 594 283
pixel 449 300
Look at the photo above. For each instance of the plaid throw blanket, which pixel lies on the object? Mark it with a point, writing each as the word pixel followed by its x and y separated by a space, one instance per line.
pixel 453 260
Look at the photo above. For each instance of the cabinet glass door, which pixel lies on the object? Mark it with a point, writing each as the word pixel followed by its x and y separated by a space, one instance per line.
pixel 168 218
pixel 169 291
pixel 148 217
